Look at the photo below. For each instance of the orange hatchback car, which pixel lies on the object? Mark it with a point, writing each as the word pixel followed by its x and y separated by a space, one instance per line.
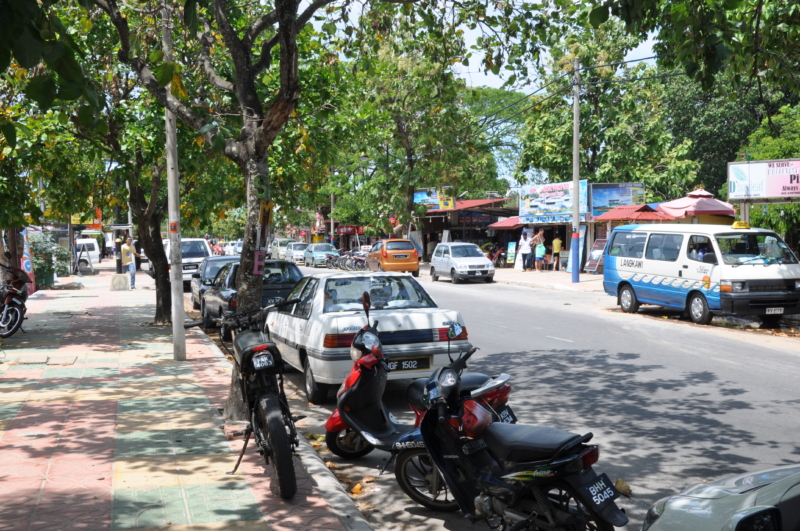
pixel 394 255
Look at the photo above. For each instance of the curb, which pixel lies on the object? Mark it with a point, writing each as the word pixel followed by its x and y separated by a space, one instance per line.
pixel 324 480
pixel 541 285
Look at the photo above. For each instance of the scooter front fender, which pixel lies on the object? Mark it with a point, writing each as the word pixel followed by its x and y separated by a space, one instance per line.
pixel 335 422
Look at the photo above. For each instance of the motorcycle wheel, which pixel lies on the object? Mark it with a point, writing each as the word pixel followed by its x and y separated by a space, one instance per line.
pixel 500 263
pixel 283 481
pixel 414 472
pixel 564 499
pixel 347 444
pixel 12 321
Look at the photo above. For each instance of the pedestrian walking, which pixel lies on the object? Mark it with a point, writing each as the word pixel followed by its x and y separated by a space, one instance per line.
pixel 537 243
pixel 128 252
pixel 525 251
pixel 557 243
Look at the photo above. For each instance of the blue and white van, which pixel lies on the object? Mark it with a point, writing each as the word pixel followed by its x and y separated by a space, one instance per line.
pixel 704 270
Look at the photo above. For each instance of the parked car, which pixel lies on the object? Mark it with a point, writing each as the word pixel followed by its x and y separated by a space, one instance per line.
pixel 193 252
pixel 277 250
pixel 237 247
pixel 461 261
pixel 314 335
pixel 87 249
pixel 279 279
pixel 294 252
pixel 394 255
pixel 205 275
pixel 316 254
pixel 767 500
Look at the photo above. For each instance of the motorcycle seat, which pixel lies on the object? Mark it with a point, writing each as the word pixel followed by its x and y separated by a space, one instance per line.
pixel 519 443
pixel 469 382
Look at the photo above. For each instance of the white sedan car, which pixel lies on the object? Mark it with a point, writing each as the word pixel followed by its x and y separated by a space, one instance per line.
pixel 314 335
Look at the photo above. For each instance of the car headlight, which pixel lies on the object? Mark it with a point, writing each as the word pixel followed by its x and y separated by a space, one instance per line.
pixel 739 286
pixel 654 513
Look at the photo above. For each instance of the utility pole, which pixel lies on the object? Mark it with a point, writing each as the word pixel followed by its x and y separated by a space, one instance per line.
pixel 333 239
pixel 574 252
pixel 173 206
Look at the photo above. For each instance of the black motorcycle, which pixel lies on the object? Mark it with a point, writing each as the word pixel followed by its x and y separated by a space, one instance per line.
pixel 261 377
pixel 13 297
pixel 515 477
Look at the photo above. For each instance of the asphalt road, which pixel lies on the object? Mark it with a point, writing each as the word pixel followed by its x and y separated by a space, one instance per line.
pixel 670 403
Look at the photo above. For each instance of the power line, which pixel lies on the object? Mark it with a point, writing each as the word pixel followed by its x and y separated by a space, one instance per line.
pixel 634 79
pixel 631 61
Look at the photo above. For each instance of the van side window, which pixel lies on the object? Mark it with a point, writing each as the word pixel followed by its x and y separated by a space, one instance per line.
pixel 664 247
pixel 628 244
pixel 698 247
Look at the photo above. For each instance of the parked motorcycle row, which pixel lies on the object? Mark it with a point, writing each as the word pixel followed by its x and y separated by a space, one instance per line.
pixel 348 261
pixel 13 296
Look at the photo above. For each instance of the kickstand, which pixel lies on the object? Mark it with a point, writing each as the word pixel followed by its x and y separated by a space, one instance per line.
pixel 247 433
pixel 389 462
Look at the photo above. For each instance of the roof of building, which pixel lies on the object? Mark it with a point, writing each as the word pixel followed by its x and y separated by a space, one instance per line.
pixel 633 213
pixel 507 224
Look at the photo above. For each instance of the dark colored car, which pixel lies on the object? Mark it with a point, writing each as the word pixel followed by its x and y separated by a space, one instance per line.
pixel 279 279
pixel 206 274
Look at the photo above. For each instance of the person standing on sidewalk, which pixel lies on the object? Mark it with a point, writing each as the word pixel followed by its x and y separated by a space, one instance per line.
pixel 525 251
pixel 557 253
pixel 128 252
pixel 537 243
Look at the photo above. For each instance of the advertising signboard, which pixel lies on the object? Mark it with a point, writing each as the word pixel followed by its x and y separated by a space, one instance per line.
pixel 606 196
pixel 595 259
pixel 552 202
pixel 768 179
pixel 434 199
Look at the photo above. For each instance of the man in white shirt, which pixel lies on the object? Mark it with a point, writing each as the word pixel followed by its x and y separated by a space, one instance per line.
pixel 525 251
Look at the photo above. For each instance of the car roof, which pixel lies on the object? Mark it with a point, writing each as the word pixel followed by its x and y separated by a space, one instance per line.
pixel 357 274
pixel 395 240
pixel 688 228
pixel 223 258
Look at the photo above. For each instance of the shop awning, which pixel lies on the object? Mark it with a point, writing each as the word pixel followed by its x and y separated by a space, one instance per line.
pixel 697 203
pixel 633 213
pixel 507 224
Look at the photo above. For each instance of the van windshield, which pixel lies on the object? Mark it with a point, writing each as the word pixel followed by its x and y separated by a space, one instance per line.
pixel 740 248
pixel 194 249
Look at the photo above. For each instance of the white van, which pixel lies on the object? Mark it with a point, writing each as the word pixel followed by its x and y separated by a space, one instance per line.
pixel 90 250
pixel 705 270
pixel 193 251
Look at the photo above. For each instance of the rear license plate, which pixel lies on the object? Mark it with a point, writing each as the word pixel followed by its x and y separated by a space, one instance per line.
pixel 773 311
pixel 190 266
pixel 264 361
pixel 506 415
pixel 274 300
pixel 600 492
pixel 409 364
pixel 401 256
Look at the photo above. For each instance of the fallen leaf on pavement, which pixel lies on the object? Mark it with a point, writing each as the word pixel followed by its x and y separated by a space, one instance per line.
pixel 316 445
pixel 368 479
pixel 321 438
pixel 623 488
pixel 357 489
pixel 330 464
pixel 344 479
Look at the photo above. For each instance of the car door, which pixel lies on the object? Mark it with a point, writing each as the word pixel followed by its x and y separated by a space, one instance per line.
pixel 374 256
pixel 445 264
pixel 297 320
pixel 436 258
pixel 228 290
pixel 211 298
pixel 281 323
pixel 661 261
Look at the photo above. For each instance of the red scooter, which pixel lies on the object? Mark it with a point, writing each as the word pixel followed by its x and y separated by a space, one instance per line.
pixel 497 254
pixel 362 423
pixel 12 300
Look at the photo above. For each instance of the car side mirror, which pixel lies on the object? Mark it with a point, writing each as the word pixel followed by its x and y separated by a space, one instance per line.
pixel 208 282
pixel 710 258
pixel 195 275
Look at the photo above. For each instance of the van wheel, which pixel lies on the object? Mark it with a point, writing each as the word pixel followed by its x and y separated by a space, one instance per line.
pixel 434 276
pixel 698 310
pixel 453 276
pixel 83 263
pixel 627 300
pixel 315 393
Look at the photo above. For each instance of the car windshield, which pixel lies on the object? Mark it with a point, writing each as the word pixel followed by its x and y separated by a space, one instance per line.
pixel 194 249
pixel 399 246
pixel 323 247
pixel 344 294
pixel 298 246
pixel 754 248
pixel 466 251
pixel 281 274
pixel 213 267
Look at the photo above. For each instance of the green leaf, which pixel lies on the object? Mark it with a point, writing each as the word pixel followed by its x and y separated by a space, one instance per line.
pixel 69 91
pixel 206 128
pixel 68 68
pixel 329 28
pixel 28 48
pixel 218 142
pixel 598 15
pixel 164 73
pixel 85 115
pixel 86 4
pixel 156 56
pixel 10 133
pixel 42 90
pixel 53 52
pixel 190 18
pixel 135 45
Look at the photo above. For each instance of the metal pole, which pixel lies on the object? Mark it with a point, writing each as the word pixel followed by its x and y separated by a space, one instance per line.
pixel 331 216
pixel 174 208
pixel 574 252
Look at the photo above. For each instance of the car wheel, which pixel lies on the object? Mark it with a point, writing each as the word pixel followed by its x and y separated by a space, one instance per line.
pixel 415 273
pixel 434 276
pixel 225 333
pixel 207 323
pixel 698 310
pixel 453 277
pixel 315 393
pixel 771 321
pixel 380 268
pixel 627 300
pixel 489 280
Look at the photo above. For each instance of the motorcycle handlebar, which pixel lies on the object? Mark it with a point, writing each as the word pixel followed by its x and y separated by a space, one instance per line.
pixel 461 363
pixel 441 408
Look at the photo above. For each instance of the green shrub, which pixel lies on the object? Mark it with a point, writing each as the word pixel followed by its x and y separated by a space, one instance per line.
pixel 43 249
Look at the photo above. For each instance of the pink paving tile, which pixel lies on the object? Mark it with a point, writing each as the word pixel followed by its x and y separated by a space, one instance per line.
pixel 140 371
pixel 43 409
pixel 17 447
pixel 65 456
pixel 71 484
pixel 27 423
pixel 28 374
pixel 78 510
pixel 11 487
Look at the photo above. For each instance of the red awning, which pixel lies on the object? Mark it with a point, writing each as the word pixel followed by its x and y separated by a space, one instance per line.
pixel 697 203
pixel 506 224
pixel 633 213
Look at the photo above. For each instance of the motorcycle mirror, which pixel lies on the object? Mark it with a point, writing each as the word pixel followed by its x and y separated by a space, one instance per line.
pixel 454 331
pixel 366 302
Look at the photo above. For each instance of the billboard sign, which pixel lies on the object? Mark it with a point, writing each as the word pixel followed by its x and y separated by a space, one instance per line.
pixel 551 202
pixel 606 196
pixel 434 199
pixel 769 179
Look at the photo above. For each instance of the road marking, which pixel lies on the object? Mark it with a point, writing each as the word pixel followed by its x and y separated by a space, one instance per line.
pixel 560 339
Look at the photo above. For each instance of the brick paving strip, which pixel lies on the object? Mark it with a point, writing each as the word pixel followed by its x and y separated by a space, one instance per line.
pixel 101 430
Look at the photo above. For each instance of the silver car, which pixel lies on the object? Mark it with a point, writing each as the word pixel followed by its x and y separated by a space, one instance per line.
pixel 294 252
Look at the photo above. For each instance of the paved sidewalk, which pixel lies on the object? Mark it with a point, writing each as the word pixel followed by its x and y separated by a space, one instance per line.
pixel 101 430
pixel 559 280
